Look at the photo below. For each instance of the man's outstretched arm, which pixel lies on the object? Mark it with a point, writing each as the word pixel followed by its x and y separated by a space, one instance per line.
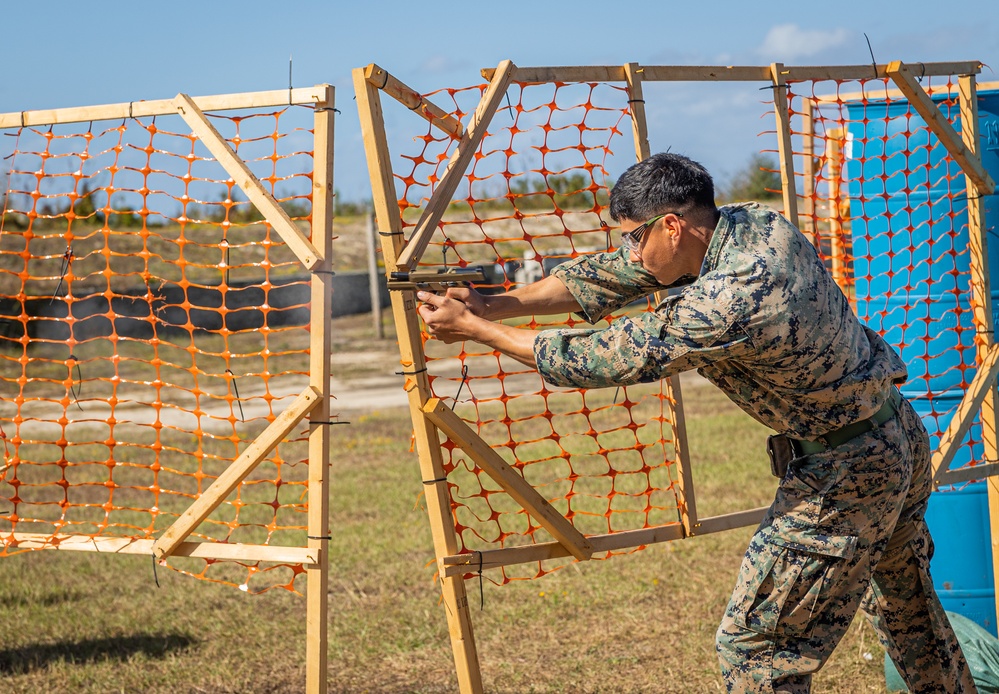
pixel 450 320
pixel 542 298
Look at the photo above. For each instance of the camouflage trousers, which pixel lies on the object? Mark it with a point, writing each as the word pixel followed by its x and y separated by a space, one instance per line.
pixel 845 532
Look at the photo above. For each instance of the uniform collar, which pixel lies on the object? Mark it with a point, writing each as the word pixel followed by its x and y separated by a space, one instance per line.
pixel 718 239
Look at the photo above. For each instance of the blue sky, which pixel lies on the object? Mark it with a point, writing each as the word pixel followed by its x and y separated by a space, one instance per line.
pixel 60 54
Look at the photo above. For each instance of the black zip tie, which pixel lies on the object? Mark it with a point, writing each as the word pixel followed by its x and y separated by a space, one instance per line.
pixel 323 272
pixel 439 479
pixel 242 418
pixel 391 233
pixel 636 101
pixel 482 597
pixel 319 537
pixel 922 73
pixel 774 86
pixel 874 63
pixel 444 256
pixel 75 392
pixel 289 79
pixel 226 242
pixel 509 107
pixel 410 373
pixel 155 577
pixel 328 422
pixel 464 377
pixel 617 391
pixel 67 258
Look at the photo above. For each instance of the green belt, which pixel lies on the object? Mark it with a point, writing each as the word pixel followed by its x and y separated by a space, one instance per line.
pixel 852 431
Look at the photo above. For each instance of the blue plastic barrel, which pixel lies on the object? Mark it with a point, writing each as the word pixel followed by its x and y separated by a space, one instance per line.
pixel 911 265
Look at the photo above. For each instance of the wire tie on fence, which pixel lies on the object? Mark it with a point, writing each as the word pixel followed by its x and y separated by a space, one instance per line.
pixel 410 373
pixel 22 119
pixel 439 479
pixel 130 110
pixel 323 272
pixel 67 258
pixel 874 63
pixel 464 377
pixel 319 537
pixel 774 86
pixel 235 388
pixel 390 233
pixel 509 107
pixel 482 597
pixel 636 101
pixel 922 72
pixel 75 392
pixel 337 421
pixel 155 577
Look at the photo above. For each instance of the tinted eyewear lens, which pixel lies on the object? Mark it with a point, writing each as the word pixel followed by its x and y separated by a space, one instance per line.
pixel 633 238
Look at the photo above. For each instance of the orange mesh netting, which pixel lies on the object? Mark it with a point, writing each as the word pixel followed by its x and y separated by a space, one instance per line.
pixel 888 206
pixel 151 325
pixel 536 195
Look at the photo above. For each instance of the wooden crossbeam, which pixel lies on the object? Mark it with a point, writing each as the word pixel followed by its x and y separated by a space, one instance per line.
pixel 459 564
pixel 941 127
pixel 966 474
pixel 200 550
pixel 725 73
pixel 456 167
pixel 969 408
pixel 254 454
pixel 161 107
pixel 413 100
pixel 505 476
pixel 275 215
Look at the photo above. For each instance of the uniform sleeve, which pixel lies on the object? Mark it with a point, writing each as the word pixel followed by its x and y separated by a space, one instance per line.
pixel 686 332
pixel 604 282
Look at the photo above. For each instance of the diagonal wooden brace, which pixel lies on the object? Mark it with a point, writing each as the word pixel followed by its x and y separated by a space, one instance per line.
pixel 941 127
pixel 505 476
pixel 242 466
pixel 275 215
pixel 411 99
pixel 962 420
pixel 456 167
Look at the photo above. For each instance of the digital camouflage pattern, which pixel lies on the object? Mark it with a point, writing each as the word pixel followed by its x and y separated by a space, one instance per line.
pixel 765 322
pixel 845 531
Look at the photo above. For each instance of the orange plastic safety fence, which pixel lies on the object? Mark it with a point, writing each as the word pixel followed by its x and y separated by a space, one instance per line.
pixel 535 195
pixel 151 325
pixel 888 207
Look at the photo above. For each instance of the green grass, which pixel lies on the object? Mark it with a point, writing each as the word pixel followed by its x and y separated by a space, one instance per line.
pixel 642 622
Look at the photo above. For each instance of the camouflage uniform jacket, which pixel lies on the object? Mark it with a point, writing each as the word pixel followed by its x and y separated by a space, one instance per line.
pixel 763 321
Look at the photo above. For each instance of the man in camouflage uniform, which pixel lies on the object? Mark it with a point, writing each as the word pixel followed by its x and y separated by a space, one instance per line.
pixel 761 318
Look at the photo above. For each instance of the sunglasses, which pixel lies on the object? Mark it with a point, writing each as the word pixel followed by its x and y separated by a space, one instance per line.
pixel 633 239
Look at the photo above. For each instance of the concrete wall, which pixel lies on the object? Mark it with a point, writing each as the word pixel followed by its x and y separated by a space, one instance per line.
pixel 171 307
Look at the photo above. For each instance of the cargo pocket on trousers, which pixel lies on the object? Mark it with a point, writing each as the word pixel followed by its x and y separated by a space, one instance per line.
pixel 792 584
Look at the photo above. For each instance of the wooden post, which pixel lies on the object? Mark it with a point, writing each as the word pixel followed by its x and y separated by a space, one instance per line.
pixel 834 154
pixel 370 240
pixel 671 386
pixel 981 292
pixel 782 113
pixel 808 167
pixel 427 438
pixel 320 349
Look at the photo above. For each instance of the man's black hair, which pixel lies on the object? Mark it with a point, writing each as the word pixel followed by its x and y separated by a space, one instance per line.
pixel 662 183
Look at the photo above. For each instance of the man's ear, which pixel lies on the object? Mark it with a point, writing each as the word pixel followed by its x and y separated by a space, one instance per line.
pixel 672 222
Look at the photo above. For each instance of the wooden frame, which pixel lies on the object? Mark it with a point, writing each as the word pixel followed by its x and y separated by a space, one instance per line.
pixel 430 416
pixel 315 255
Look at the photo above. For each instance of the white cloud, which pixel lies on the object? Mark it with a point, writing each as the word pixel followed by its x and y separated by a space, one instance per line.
pixel 789 42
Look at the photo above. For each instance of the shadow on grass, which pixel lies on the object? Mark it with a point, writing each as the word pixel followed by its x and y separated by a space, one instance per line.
pixel 19 661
